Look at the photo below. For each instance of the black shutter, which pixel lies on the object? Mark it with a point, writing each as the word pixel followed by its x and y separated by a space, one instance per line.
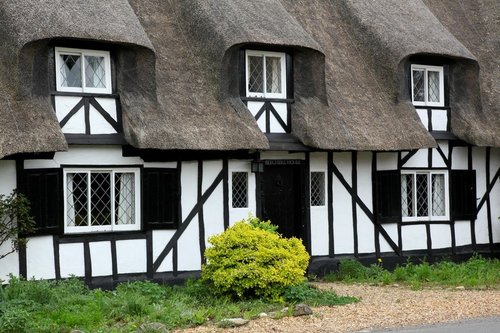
pixel 43 188
pixel 388 196
pixel 160 198
pixel 463 194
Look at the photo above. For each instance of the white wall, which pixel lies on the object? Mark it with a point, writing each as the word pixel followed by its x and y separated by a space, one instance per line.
pixel 238 214
pixel 319 214
pixel 366 240
pixel 9 264
pixel 342 206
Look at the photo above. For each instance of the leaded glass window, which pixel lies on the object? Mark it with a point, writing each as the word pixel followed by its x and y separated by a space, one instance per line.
pixel 427 85
pixel 423 195
pixel 86 71
pixel 265 74
pixel 101 200
pixel 239 189
pixel 317 188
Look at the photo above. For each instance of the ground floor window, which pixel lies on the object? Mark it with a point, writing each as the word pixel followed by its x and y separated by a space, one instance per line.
pixel 424 195
pixel 239 189
pixel 101 200
pixel 317 188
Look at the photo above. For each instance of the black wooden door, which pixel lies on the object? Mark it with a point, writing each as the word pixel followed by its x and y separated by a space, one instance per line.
pixel 282 198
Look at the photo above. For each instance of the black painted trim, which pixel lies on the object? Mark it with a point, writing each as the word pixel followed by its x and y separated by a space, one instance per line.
pixel 271 100
pixel 87 262
pixel 429 158
pixel 488 204
pixel 86 107
pixel 72 112
pixel 306 201
pixel 57 261
pixel 80 94
pixel 354 176
pixel 407 157
pixel 331 244
pixel 441 153
pixel 149 254
pixel 472 221
pixel 114 260
pixel 488 191
pixel 201 220
pixel 101 237
pixel 376 233
pixel 225 192
pixel 116 126
pixel 95 139
pixel 429 239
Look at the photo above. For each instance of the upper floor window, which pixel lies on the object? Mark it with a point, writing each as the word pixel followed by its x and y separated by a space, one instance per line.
pixel 427 85
pixel 265 74
pixel 86 71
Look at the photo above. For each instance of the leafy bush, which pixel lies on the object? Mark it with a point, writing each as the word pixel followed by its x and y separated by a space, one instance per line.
pixel 305 293
pixel 250 259
pixel 15 221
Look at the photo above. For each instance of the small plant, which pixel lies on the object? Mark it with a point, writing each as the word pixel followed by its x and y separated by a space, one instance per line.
pixel 250 259
pixel 15 221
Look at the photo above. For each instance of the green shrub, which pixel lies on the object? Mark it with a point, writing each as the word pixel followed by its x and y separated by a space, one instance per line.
pixel 351 270
pixel 249 260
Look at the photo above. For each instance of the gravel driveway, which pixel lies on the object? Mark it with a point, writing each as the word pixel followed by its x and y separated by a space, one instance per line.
pixel 381 307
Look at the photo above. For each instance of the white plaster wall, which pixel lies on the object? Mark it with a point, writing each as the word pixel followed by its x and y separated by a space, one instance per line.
pixel 99 125
pixel 40 258
pixel 342 206
pixel 479 164
pixel 419 160
pixel 71 260
pixel 495 195
pixel 169 165
pixel 392 231
pixel 9 264
pixel 440 236
pixel 160 240
pixel 462 233
pixel 189 248
pixel 437 160
pixel 422 114
pixel 213 210
pixel 459 158
pixel 319 214
pixel 85 155
pixel 254 108
pixel 414 237
pixel 439 120
pixel 131 256
pixel 366 242
pixel 100 256
pixel 281 155
pixel 238 214
pixel 387 161
pixel 281 109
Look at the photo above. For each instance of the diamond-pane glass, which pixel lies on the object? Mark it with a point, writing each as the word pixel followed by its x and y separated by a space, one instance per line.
pixel 124 198
pixel 273 75
pixel 71 70
pixel 422 195
pixel 407 195
pixel 95 73
pixel 317 188
pixel 100 196
pixel 418 86
pixel 433 88
pixel 438 196
pixel 255 74
pixel 240 189
pixel 76 199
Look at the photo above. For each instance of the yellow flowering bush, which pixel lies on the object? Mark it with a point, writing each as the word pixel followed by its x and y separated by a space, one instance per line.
pixel 249 261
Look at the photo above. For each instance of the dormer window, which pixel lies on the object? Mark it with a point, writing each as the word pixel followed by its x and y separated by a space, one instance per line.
pixel 427 85
pixel 265 74
pixel 84 71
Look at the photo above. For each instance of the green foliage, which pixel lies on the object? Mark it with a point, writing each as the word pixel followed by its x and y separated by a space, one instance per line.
pixel 304 293
pixel 15 221
pixel 264 225
pixel 249 260
pixel 476 272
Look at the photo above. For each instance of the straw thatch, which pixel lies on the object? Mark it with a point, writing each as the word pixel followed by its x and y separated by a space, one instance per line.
pixel 176 65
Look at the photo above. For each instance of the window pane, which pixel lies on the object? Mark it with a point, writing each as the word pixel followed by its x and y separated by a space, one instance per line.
pixel 255 74
pixel 240 189
pixel 422 195
pixel 433 88
pixel 71 70
pixel 317 188
pixel 76 199
pixel 407 195
pixel 438 203
pixel 273 75
pixel 100 196
pixel 418 85
pixel 95 74
pixel 124 198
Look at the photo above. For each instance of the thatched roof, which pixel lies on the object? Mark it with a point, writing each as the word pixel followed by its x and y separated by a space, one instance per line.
pixel 176 68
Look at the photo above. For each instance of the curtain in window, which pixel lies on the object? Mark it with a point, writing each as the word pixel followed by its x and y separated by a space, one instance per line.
pixel 70 202
pixel 273 75
pixel 438 202
pixel 124 198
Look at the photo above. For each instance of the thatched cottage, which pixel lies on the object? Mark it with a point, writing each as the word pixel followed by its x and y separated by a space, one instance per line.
pixel 137 129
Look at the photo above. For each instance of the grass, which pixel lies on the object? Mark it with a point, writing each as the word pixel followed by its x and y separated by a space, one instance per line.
pixel 49 306
pixel 477 272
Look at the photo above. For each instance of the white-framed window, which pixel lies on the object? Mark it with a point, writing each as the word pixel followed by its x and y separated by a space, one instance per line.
pixel 424 195
pixel 101 199
pixel 239 189
pixel 317 188
pixel 265 74
pixel 87 71
pixel 427 85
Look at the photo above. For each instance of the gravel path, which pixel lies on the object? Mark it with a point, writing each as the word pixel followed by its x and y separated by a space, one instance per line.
pixel 380 307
